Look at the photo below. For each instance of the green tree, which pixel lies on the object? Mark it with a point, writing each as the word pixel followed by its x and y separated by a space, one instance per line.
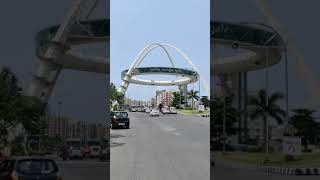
pixel 177 99
pixel 115 95
pixel 193 95
pixel 17 109
pixel 10 94
pixel 32 112
pixel 306 127
pixel 205 101
pixel 261 108
pixel 219 108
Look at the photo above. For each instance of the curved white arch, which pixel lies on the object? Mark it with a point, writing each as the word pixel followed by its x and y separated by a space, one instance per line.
pixel 144 52
pixel 206 86
pixel 150 48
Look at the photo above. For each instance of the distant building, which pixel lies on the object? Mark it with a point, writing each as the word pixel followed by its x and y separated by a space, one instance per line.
pixel 159 97
pixel 97 131
pixel 167 98
pixel 57 126
pixel 195 103
pixel 163 97
pixel 78 130
pixel 88 131
pixel 153 102
pixel 128 101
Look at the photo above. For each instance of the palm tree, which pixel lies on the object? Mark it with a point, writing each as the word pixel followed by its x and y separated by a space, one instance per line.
pixel 205 101
pixel 219 107
pixel 260 108
pixel 306 126
pixel 193 95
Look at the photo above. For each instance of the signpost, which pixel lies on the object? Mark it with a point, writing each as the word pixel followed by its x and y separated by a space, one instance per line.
pixel 292 146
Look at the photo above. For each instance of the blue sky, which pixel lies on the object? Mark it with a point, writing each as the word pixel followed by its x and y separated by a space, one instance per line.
pixel 135 24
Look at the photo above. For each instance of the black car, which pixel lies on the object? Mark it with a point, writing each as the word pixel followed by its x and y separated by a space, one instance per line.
pixel 120 119
pixel 27 168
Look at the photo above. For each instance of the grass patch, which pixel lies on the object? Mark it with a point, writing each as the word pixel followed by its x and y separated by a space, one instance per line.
pixel 275 159
pixel 193 112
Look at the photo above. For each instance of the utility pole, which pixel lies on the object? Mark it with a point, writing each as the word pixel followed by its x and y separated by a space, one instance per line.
pixel 224 123
pixel 267 103
pixel 59 117
pixel 199 88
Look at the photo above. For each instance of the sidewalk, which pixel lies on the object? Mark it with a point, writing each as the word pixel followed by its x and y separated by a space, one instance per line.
pixel 271 169
pixel 307 164
pixel 193 113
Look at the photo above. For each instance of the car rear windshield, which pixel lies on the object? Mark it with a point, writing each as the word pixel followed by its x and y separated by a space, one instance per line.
pixel 37 166
pixel 121 114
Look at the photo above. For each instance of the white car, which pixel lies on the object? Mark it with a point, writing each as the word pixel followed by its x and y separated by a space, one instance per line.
pixel 173 110
pixel 148 110
pixel 154 112
pixel 165 111
pixel 75 153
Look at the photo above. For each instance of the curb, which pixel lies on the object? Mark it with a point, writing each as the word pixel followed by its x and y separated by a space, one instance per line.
pixel 273 170
pixel 206 115
pixel 196 115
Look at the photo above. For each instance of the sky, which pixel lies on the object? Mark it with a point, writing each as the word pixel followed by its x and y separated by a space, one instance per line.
pixel 135 24
pixel 83 94
pixel 299 19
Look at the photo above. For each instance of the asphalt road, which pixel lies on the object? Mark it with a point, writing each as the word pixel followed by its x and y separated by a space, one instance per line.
pixel 84 170
pixel 168 147
pixel 219 173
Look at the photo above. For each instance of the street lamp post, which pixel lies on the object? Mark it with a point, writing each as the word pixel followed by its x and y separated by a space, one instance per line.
pixel 59 112
pixel 267 94
pixel 199 88
pixel 224 123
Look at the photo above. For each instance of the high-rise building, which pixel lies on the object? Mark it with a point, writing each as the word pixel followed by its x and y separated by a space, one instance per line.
pixel 159 97
pixel 167 98
pixel 87 131
pixel 163 97
pixel 102 131
pixel 57 126
pixel 78 130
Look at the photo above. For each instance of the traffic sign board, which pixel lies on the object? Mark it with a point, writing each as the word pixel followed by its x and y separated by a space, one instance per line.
pixel 292 145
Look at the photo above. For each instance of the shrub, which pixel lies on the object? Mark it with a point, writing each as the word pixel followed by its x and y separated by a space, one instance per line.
pixel 265 161
pixel 288 158
pixel 254 149
pixel 307 150
pixel 229 147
